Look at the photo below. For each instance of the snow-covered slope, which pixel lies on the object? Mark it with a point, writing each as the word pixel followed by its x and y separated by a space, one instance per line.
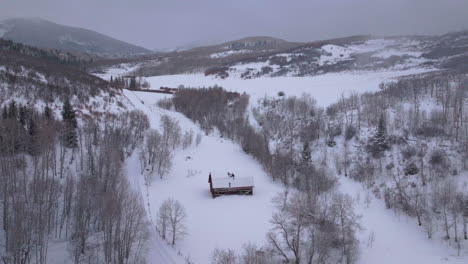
pixel 373 54
pixel 388 238
pixel 228 222
pixel 225 222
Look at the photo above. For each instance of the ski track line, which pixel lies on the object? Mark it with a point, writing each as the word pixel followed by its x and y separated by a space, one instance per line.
pixel 156 240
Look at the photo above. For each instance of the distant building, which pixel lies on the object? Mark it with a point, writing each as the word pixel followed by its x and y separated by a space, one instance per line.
pixel 230 185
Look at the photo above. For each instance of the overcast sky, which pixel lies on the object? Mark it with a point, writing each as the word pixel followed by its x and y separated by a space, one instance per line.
pixel 171 23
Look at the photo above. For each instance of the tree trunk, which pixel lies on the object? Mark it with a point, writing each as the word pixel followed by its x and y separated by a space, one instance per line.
pixel 465 233
pixel 447 234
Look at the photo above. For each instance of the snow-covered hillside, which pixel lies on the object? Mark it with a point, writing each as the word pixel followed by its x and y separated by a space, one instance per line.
pixel 389 238
pixel 229 222
pixel 374 54
pixel 227 53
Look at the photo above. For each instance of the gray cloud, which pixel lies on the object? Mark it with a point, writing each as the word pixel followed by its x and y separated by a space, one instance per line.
pixel 171 23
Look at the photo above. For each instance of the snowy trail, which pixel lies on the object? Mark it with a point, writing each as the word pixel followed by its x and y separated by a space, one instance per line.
pixel 388 238
pixel 159 251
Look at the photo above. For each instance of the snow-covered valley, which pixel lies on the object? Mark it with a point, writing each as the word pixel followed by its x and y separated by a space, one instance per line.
pixel 357 149
pixel 230 222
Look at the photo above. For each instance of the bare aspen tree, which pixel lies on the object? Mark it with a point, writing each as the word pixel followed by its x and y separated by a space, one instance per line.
pixel 224 256
pixel 171 218
pixel 289 227
pixel 347 224
pixel 188 139
pixel 163 218
pixel 177 221
pixel 198 139
pixel 152 152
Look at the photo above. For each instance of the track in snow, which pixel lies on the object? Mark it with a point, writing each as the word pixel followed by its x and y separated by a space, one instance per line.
pixel 159 252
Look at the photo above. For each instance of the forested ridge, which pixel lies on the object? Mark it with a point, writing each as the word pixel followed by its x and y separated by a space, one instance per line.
pixel 37 74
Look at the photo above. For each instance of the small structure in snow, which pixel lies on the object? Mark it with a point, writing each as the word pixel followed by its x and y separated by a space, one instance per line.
pixel 230 185
pixel 168 89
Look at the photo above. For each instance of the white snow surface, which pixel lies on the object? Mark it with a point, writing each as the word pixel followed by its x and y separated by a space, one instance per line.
pixel 382 48
pixel 334 54
pixel 394 52
pixel 119 70
pixel 227 221
pixel 226 182
pixel 373 45
pixel 325 88
pixel 228 53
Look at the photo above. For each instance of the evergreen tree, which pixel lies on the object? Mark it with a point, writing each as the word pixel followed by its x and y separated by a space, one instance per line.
pixel 32 133
pixel 305 169
pixel 22 115
pixel 5 112
pixel 68 114
pixel 69 118
pixel 133 84
pixel 48 113
pixel 381 135
pixel 12 110
pixel 306 155
pixel 379 142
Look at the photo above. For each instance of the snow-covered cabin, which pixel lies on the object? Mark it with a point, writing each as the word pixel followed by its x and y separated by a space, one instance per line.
pixel 230 185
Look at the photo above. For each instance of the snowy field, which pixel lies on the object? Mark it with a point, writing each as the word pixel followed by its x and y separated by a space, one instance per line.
pixel 326 88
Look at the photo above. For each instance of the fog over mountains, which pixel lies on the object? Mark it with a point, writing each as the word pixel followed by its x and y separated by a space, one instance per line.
pixel 46 34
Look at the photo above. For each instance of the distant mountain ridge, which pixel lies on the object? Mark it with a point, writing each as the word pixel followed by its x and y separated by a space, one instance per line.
pixel 46 34
pixel 254 43
pixel 203 57
pixel 261 56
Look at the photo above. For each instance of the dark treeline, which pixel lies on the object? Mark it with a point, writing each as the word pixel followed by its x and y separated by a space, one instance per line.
pixel 131 83
pixel 61 180
pixel 314 225
pixel 56 56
